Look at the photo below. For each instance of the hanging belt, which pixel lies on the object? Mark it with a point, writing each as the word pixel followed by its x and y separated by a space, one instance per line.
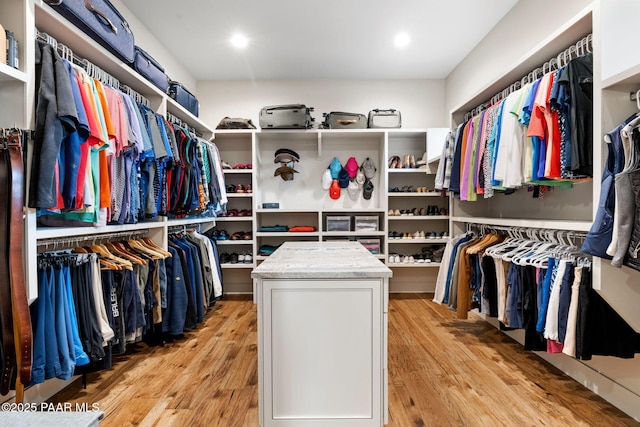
pixel 23 335
pixel 8 346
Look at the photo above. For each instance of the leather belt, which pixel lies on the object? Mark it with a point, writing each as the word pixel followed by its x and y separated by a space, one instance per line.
pixel 8 346
pixel 23 335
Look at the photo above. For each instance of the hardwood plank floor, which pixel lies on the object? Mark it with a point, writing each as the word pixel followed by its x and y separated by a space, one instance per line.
pixel 442 372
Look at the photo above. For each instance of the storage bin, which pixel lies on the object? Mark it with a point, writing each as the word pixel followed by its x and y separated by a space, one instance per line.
pixel 338 223
pixel 373 245
pixel 365 223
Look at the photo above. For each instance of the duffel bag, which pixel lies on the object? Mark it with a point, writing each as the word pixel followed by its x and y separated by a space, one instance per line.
pixel 291 116
pixel 101 21
pixel 384 119
pixel 150 69
pixel 342 120
pixel 183 97
pixel 235 123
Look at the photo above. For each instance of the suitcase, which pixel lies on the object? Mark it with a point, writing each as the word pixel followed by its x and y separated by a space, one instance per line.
pixel 341 120
pixel 293 116
pixel 183 97
pixel 101 21
pixel 384 119
pixel 150 69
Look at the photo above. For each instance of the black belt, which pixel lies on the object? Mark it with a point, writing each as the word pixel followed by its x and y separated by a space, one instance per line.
pixel 23 335
pixel 8 346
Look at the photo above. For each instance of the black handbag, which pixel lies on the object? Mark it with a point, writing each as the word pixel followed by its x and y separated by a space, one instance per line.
pixel 101 21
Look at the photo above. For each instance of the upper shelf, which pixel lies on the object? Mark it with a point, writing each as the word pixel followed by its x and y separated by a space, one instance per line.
pixel 530 223
pixel 54 24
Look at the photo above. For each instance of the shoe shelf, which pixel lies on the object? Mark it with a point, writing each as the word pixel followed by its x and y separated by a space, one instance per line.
pixel 412 264
pixel 418 241
pixel 408 170
pixel 416 217
pixel 286 234
pixel 415 194
pixel 234 218
pixel 237 171
pixel 239 195
pixel 238 265
pixel 234 242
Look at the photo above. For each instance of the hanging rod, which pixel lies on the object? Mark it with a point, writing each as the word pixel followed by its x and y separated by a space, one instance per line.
pixel 93 70
pixel 531 233
pixel 580 48
pixel 76 240
pixel 173 119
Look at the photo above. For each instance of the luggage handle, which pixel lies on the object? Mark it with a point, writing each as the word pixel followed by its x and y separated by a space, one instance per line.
pixel 346 122
pixel 102 15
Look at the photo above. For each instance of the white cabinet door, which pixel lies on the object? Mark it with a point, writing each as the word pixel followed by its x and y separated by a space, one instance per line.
pixel 323 350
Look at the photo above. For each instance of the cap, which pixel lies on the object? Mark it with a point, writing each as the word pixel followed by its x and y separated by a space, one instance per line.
pixel 351 167
pixel 360 179
pixel 285 155
pixel 285 172
pixel 353 190
pixel 326 179
pixel 335 166
pixel 334 190
pixel 285 158
pixel 367 189
pixel 368 168
pixel 343 178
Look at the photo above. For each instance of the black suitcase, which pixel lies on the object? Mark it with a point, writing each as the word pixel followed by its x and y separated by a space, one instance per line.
pixel 150 69
pixel 342 120
pixel 291 116
pixel 183 97
pixel 102 22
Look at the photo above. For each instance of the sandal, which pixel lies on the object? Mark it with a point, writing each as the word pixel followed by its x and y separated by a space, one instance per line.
pixel 247 236
pixel 238 235
pixel 232 212
pixel 248 189
pixel 244 212
pixel 240 188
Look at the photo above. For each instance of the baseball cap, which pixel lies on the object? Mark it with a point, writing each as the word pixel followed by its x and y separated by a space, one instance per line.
pixel 285 172
pixel 334 190
pixel 360 179
pixel 351 167
pixel 353 190
pixel 368 168
pixel 285 155
pixel 367 189
pixel 326 179
pixel 343 178
pixel 335 166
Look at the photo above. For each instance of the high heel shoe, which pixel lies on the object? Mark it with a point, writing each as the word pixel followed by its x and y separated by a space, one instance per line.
pixel 394 162
pixel 412 161
pixel 405 161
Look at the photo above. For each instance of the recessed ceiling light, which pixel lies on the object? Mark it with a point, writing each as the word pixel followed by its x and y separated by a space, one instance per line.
pixel 239 41
pixel 402 40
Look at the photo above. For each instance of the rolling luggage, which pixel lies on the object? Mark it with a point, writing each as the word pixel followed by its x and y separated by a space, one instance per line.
pixel 150 69
pixel 293 116
pixel 384 119
pixel 342 120
pixel 101 21
pixel 183 97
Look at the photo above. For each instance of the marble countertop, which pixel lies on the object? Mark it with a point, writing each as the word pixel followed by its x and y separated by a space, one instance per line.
pixel 321 260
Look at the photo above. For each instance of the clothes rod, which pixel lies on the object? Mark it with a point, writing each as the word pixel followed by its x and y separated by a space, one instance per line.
pixel 580 48
pixel 91 237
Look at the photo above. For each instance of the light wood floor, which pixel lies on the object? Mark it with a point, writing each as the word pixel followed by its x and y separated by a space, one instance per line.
pixel 442 372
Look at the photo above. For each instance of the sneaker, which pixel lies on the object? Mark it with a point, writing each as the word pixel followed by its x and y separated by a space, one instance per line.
pixel 248 258
pixel 242 258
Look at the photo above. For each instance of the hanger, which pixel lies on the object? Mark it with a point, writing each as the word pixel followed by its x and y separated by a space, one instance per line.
pixel 151 244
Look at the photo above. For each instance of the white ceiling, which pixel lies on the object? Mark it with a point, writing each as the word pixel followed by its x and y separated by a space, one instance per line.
pixel 330 39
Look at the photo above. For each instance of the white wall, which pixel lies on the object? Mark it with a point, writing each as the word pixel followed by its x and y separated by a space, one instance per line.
pixel 526 25
pixel 146 40
pixel 421 102
pixel 619 29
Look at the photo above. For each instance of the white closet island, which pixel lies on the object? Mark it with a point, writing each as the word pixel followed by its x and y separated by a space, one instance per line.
pixel 322 336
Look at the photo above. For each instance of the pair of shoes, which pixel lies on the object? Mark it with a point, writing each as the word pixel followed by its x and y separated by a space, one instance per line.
pixel 394 212
pixel 219 235
pixel 244 258
pixel 394 259
pixel 422 163
pixel 394 162
pixel 241 166
pixel 435 210
pixel 224 258
pixel 419 235
pixel 421 190
pixel 245 212
pixel 408 259
pixel 407 189
pixel 394 190
pixel 230 188
pixel 226 165
pixel 408 161
pixel 394 235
